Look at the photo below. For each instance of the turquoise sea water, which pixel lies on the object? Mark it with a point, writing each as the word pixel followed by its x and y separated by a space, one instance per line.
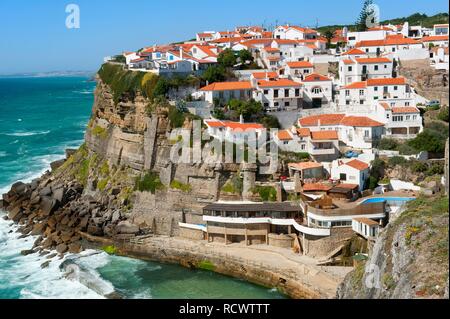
pixel 39 119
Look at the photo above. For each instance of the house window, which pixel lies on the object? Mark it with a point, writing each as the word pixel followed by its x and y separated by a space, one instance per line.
pixel 316 90
pixel 395 87
pixel 286 103
pixel 347 92
pixel 276 104
pixel 343 177
pixel 397 118
pixel 286 142
pixel 266 104
pixel 286 93
pixel 385 66
pixel 367 50
pixel 361 92
pixel 303 147
pixel 375 88
pixel 375 67
pixel 361 102
pixel 350 69
pixel 366 133
pixel 388 116
pixel 414 117
pixel 297 92
pixel 275 93
pixel 406 103
pixel 347 102
pixel 408 117
pixel 266 92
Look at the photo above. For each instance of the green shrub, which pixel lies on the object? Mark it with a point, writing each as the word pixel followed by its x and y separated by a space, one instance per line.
pixel 430 140
pixel 227 58
pixel 183 187
pixel 100 132
pixel 372 182
pixel 435 169
pixel 234 185
pixel 267 193
pixel 443 114
pixel 406 149
pixel 104 169
pixel 206 265
pixel 215 73
pixel 149 182
pixel 419 167
pixel 388 144
pixel 101 185
pixel 110 250
pixel 397 160
pixel 270 121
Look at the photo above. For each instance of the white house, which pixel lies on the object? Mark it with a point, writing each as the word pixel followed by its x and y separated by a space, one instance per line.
pixel 297 71
pixel 436 40
pixel 366 227
pixel 235 132
pixel 390 44
pixel 350 172
pixel 400 121
pixel 359 132
pixel 354 37
pixel 440 29
pixel 361 69
pixel 278 95
pixel 439 58
pixel 294 33
pixel 225 91
pixel 205 36
pixel 353 54
pixel 318 91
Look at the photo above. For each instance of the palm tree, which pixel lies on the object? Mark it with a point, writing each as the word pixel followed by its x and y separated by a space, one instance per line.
pixel 329 35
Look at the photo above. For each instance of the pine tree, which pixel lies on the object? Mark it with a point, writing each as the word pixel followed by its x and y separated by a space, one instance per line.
pixel 366 11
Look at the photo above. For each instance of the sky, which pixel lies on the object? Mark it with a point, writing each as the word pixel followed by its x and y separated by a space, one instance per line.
pixel 34 36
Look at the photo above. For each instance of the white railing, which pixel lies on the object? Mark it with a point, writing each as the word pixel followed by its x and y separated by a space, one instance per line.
pixel 193 226
pixel 267 220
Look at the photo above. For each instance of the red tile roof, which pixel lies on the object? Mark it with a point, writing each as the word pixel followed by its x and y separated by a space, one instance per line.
pixel 357 164
pixel 284 135
pixel 405 109
pixel 353 52
pixel 389 81
pixel 435 38
pixel 300 64
pixel 356 85
pixel 279 83
pixel 360 121
pixel 315 77
pixel 228 86
pixel 305 165
pixel 348 61
pixel 387 41
pixel 385 106
pixel 316 187
pixel 324 119
pixel 372 60
pixel 324 135
pixel 303 132
pixel 263 75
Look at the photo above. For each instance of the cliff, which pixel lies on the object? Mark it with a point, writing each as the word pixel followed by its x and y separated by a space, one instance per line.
pixel 409 258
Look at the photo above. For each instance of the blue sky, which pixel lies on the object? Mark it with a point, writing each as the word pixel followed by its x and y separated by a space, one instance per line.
pixel 33 36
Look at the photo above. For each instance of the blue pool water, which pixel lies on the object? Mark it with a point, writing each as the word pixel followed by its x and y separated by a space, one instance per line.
pixel 389 200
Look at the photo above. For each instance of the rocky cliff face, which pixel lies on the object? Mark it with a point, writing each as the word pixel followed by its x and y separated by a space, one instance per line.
pixel 409 259
pixel 94 189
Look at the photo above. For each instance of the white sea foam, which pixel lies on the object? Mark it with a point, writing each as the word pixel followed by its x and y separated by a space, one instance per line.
pixel 24 134
pixel 3 154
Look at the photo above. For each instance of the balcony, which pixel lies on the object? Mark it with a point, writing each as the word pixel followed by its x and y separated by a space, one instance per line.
pixel 323 151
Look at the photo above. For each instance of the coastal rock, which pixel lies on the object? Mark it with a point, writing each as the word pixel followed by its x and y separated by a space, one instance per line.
pixel 74 248
pixel 38 229
pixel 27 252
pixel 58 194
pixel 15 214
pixel 48 205
pixel 115 216
pixel 57 164
pixel 46 191
pixel 125 227
pixel 61 248
pixel 46 264
pixel 70 152
pixel 19 188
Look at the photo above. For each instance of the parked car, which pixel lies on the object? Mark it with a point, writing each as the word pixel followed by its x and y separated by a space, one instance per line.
pixel 433 103
pixel 351 154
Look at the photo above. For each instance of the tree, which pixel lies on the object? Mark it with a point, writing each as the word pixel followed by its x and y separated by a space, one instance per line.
pixel 366 12
pixel 161 88
pixel 428 141
pixel 227 58
pixel 245 108
pixel 245 55
pixel 214 73
pixel 329 35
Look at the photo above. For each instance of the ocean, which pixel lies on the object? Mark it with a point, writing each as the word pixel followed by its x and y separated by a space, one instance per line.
pixel 39 118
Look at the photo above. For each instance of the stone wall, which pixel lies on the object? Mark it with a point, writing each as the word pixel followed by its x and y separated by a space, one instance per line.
pixel 192 234
pixel 323 246
pixel 283 241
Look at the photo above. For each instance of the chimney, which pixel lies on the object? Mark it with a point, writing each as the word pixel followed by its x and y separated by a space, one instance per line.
pixel 181 53
pixel 318 123
pixel 241 119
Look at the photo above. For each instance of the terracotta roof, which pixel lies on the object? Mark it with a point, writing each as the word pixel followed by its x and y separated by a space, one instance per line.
pixel 305 165
pixel 303 132
pixel 263 75
pixel 387 41
pixel 348 61
pixel 315 77
pixel 324 119
pixel 279 83
pixel 372 60
pixel 325 135
pixel 367 221
pixel 204 34
pixel 228 86
pixel 284 135
pixel 385 106
pixel 347 186
pixel 273 58
pixel 285 41
pixel 360 121
pixel 243 126
pixel 356 85
pixel 353 52
pixel 316 187
pixel 214 123
pixel 405 109
pixel 300 64
pixel 269 49
pixel 357 164
pixel 435 38
pixel 389 81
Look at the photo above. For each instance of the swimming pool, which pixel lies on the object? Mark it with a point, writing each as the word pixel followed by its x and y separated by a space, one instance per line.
pixel 389 200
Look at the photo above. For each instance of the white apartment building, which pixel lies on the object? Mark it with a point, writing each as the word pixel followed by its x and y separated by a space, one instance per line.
pixel 354 37
pixel 235 132
pixel 390 44
pixel 350 172
pixel 294 33
pixel 282 94
pixel 297 71
pixel 318 91
pixel 403 122
pixel 225 91
pixel 361 69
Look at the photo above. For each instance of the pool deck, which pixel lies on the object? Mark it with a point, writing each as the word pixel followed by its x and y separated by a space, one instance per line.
pixel 393 194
